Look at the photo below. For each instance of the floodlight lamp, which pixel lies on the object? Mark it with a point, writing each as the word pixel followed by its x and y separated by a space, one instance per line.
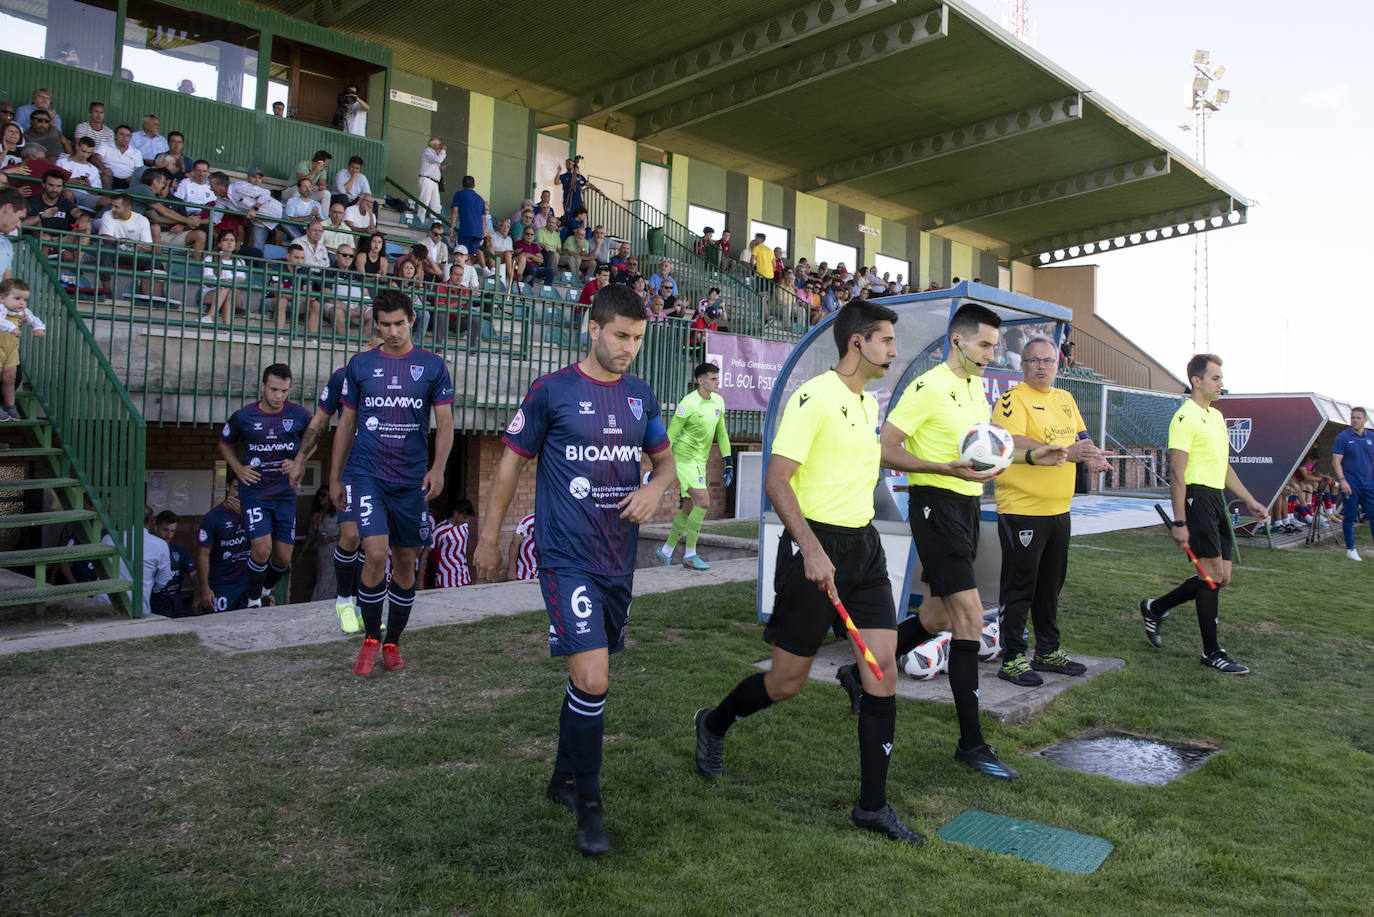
pixel 1218 71
pixel 1202 57
pixel 1200 84
pixel 1223 96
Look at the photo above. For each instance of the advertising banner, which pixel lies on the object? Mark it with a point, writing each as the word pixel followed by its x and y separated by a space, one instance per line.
pixel 1268 438
pixel 748 368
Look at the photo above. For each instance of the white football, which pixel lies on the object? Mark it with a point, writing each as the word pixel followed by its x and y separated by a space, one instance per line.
pixel 928 659
pixel 987 446
pixel 990 641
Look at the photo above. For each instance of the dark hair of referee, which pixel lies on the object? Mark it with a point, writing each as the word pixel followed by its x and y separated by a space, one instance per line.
pixel 862 318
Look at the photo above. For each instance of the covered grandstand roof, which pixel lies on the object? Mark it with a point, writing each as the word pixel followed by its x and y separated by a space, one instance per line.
pixel 916 110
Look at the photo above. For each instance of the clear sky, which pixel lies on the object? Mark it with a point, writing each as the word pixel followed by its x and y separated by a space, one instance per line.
pixel 1290 305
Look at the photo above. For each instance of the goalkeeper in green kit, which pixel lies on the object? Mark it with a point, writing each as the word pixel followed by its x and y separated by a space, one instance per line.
pixel 699 419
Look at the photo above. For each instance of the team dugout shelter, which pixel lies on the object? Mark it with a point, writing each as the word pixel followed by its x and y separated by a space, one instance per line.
pixel 922 342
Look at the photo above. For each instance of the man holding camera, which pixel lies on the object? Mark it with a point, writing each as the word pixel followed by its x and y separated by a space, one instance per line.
pixel 573 181
pixel 351 114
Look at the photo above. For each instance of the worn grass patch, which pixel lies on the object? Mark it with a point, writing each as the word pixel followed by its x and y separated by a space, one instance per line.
pixel 157 777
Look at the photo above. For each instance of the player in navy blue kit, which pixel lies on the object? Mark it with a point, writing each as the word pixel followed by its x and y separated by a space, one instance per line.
pixel 271 432
pixel 223 551
pixel 346 553
pixel 378 472
pixel 589 425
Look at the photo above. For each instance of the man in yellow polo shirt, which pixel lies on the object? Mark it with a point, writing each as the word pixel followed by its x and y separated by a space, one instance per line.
pixel 762 256
pixel 821 476
pixel 921 437
pixel 1199 468
pixel 1033 514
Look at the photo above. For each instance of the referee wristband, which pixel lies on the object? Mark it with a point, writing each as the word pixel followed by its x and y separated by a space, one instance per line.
pixel 1029 460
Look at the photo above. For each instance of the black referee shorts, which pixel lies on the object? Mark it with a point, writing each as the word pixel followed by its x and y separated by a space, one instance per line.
pixel 944 526
pixel 802 613
pixel 1209 531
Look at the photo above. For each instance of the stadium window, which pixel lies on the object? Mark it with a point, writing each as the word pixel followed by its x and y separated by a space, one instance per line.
pixel 183 50
pixel 78 33
pixel 777 237
pixel 892 267
pixel 833 253
pixel 698 218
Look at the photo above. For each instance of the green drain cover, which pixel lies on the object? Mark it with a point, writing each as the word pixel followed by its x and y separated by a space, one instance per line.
pixel 1057 848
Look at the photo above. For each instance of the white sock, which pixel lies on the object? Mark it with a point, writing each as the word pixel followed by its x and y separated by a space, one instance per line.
pixel 254 603
pixel 691 552
pixel 342 599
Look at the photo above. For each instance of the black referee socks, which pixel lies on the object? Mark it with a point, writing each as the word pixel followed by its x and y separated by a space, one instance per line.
pixel 749 696
pixel 910 634
pixel 877 727
pixel 963 684
pixel 1188 590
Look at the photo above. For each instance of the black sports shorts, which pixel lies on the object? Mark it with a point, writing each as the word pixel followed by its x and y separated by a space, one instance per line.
pixel 1209 531
pixel 802 613
pixel 944 526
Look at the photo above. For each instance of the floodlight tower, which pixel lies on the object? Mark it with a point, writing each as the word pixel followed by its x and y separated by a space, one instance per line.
pixel 1016 19
pixel 1203 103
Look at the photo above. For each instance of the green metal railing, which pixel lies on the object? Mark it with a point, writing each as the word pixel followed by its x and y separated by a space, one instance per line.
pixel 100 429
pixel 746 309
pixel 146 313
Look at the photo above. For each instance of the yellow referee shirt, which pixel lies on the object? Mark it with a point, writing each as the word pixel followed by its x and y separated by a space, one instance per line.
pixel 935 412
pixel 1051 418
pixel 833 433
pixel 1201 432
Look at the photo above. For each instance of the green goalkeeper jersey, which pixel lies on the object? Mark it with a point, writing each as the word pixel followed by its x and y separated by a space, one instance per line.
pixel 696 422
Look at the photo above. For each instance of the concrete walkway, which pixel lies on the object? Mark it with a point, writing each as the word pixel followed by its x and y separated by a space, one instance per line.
pixel 254 629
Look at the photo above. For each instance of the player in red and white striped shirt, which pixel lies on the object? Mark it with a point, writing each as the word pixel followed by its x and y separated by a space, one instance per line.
pixel 522 560
pixel 451 548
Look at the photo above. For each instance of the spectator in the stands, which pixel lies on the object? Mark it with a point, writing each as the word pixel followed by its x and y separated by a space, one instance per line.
pixel 361 216
pixel 350 183
pixel 176 146
pixel 601 246
pixel 672 304
pixel 830 300
pixel 157 560
pixel 432 168
pixel 252 199
pixel 1015 342
pixel 170 164
pixel 761 257
pixel 94 126
pixel 601 279
pixel 195 190
pixel 316 252
pixel 43 133
pixel 577 255
pixel 436 249
pixel 663 275
pixel 316 171
pixel 294 288
pixel 52 207
pixel 84 180
pixel 372 259
pixel 302 208
pixel 279 109
pixel 351 111
pixel 465 221
pixel 642 291
pixel 706 321
pixel 550 242
pixel 148 141
pixel 41 99
pixel 654 311
pixel 573 181
pixel 712 299
pixel 630 273
pixel 523 218
pixel 186 87
pixel 620 259
pixel 427 269
pixel 170 225
pixel 134 236
pixel 529 259
pixel 349 298
pixel 222 281
pixel 503 249
pixel 121 159
pixel 336 231
pixel 1066 358
pixel 726 262
pixel 7 111
pixel 708 246
pixel 11 146
pixel 542 211
pixel 577 221
pixel 465 270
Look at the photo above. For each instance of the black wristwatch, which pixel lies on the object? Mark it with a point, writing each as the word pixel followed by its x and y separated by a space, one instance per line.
pixel 1179 523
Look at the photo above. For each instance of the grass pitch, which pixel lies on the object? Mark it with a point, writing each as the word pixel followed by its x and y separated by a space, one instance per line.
pixel 155 776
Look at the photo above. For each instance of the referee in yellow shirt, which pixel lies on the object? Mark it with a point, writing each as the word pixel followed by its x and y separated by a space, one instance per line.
pixel 1033 514
pixel 1199 468
pixel 821 476
pixel 921 437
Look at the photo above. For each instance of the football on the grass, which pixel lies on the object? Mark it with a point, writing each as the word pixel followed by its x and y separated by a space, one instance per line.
pixel 987 446
pixel 928 659
pixel 990 642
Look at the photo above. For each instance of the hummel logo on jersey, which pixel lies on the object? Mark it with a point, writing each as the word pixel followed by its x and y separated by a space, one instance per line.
pixel 586 407
pixel 377 372
pixel 1026 535
pixel 887 748
pixel 925 511
pixel 802 399
pixel 257 426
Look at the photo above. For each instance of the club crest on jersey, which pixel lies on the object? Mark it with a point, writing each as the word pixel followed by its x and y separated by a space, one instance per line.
pixel 1026 535
pixel 286 424
pixel 1238 431
pixel 637 407
pixel 416 372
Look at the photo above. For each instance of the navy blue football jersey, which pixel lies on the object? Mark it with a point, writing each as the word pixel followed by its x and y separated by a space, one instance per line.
pixel 393 397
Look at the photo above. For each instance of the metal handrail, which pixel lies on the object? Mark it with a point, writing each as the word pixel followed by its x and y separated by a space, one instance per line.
pixel 99 427
pixel 435 216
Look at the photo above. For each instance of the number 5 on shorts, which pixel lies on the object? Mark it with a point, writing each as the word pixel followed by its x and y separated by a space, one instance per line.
pixel 364 507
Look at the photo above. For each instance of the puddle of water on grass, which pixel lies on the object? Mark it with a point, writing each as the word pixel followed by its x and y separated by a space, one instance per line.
pixel 1131 759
